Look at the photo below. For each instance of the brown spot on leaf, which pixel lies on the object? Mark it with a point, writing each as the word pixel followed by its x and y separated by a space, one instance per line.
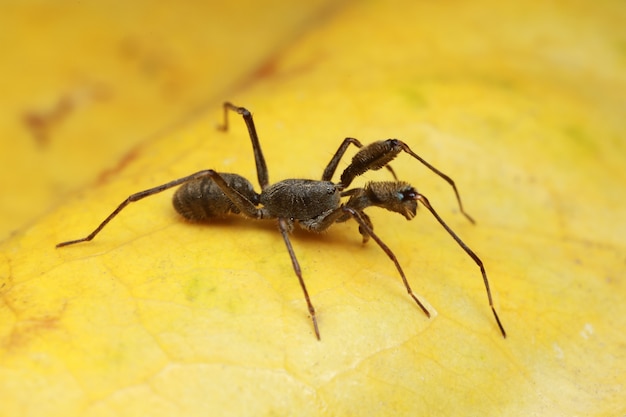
pixel 25 331
pixel 41 122
pixel 121 164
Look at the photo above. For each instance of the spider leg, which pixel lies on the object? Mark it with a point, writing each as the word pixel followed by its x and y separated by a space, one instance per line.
pixel 259 159
pixel 284 230
pixel 446 178
pixel 364 232
pixel 366 227
pixel 332 165
pixel 421 198
pixel 346 216
pixel 245 205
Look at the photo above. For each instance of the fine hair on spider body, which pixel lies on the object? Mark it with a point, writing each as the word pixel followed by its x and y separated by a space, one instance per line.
pixel 314 205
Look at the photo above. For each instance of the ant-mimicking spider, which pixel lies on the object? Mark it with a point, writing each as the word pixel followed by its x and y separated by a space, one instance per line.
pixel 313 205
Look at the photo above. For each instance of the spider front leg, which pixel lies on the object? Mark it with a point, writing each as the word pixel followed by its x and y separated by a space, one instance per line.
pixel 402 198
pixel 363 225
pixel 378 154
pixel 362 202
pixel 332 165
pixel 422 199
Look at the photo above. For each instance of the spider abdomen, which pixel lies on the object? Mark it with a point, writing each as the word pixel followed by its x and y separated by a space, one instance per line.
pixel 202 199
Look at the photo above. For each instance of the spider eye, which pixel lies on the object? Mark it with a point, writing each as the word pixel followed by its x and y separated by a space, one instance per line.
pixel 408 194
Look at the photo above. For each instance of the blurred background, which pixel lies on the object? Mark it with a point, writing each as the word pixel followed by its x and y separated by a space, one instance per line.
pixel 85 83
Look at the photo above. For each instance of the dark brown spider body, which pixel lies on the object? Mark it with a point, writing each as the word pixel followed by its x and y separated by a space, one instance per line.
pixel 300 199
pixel 202 199
pixel 313 204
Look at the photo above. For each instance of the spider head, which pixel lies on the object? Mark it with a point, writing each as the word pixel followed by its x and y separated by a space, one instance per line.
pixel 396 196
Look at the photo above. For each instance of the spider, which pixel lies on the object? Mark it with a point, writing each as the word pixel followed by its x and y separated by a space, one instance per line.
pixel 313 205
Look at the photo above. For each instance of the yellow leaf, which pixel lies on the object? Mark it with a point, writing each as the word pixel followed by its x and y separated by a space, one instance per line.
pixel 522 106
pixel 85 86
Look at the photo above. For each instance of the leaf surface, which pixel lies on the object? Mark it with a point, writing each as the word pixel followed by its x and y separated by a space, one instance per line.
pixel 522 106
